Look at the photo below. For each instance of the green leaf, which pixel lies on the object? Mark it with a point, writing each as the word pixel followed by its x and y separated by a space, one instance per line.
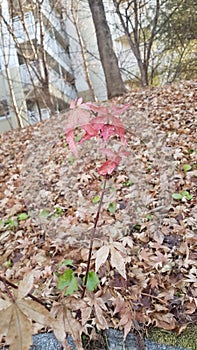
pixel 149 217
pixel 1 223
pixel 195 166
pixel 68 280
pixel 187 167
pixel 96 199
pixel 73 286
pixel 71 160
pixel 10 223
pixel 54 216
pixel 127 183
pixel 192 151
pixel 44 213
pixel 8 263
pixel 92 282
pixel 59 210
pixel 65 279
pixel 187 195
pixel 78 138
pixel 67 262
pixel 22 216
pixel 112 207
pixel 177 196
pixel 137 227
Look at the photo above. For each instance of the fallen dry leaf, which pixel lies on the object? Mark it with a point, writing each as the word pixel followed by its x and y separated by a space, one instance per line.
pixel 16 316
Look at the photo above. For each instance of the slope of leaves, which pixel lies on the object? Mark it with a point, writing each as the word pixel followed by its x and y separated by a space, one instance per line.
pixel 150 237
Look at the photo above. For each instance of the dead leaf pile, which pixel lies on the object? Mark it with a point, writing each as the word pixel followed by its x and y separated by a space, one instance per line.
pixel 145 251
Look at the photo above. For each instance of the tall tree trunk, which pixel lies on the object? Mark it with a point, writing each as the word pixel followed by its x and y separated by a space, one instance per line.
pixel 143 67
pixel 114 82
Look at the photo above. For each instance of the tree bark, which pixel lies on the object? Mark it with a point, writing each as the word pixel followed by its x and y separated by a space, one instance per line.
pixel 114 82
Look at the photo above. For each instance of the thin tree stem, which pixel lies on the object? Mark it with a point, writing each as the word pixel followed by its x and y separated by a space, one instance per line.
pixel 93 236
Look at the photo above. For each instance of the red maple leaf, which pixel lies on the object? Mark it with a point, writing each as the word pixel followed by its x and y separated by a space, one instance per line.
pixel 108 167
pixel 104 125
pixel 79 116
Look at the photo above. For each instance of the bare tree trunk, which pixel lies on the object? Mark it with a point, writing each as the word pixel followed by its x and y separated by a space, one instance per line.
pixel 114 82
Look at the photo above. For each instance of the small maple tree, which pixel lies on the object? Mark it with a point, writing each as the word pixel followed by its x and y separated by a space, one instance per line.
pixel 101 123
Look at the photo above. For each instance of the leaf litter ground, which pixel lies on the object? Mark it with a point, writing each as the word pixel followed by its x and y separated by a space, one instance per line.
pixel 148 235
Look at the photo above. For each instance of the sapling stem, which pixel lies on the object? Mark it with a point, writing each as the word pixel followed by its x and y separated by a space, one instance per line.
pixel 93 236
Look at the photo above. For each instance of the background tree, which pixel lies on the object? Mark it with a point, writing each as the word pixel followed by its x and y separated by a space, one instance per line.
pixel 109 61
pixel 178 37
pixel 139 23
pixel 161 36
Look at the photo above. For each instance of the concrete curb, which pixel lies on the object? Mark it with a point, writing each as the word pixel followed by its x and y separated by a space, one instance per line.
pixel 114 339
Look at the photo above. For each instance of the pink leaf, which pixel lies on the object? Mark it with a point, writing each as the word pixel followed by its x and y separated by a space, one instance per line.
pixel 79 102
pixel 97 109
pixel 99 122
pixel 118 128
pixel 90 132
pixel 107 168
pixel 71 142
pixel 72 104
pixel 77 118
pixel 123 153
pixel 108 153
pixel 107 131
pixel 111 124
pixel 117 110
pixel 112 155
pixel 76 103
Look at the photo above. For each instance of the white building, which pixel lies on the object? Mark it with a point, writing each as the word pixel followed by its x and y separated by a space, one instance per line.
pixel 35 66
